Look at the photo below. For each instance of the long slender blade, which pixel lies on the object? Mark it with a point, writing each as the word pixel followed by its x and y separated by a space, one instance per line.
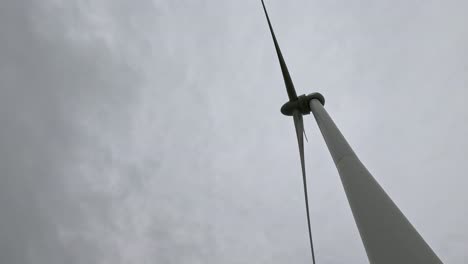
pixel 284 69
pixel 299 125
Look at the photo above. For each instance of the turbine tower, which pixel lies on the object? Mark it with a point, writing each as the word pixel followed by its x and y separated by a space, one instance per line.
pixel 387 235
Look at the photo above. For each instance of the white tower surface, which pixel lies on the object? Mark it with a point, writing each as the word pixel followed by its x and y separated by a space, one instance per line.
pixel 388 236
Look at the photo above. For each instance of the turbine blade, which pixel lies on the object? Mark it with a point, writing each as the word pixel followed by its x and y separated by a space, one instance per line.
pixel 284 69
pixel 299 125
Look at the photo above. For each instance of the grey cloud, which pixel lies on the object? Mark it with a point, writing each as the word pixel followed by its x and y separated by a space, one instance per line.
pixel 149 131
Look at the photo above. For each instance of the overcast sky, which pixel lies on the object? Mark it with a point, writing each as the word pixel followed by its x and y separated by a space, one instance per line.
pixel 150 131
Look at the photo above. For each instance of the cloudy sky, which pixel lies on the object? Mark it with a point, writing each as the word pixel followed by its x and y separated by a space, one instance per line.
pixel 150 132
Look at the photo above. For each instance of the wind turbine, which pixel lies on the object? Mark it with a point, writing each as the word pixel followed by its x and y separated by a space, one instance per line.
pixel 387 235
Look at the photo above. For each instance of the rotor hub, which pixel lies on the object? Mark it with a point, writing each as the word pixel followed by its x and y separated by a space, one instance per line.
pixel 301 103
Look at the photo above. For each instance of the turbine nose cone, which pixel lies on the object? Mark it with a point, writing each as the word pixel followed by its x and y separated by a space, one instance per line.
pixel 288 108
